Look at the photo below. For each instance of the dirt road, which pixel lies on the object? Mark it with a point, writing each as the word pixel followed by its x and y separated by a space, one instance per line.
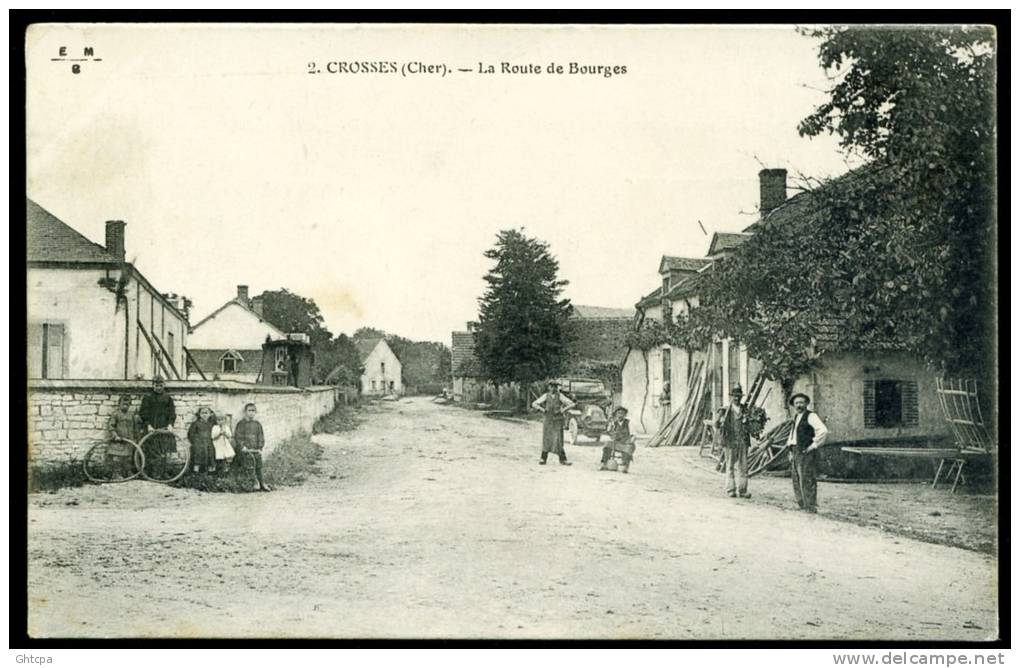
pixel 433 521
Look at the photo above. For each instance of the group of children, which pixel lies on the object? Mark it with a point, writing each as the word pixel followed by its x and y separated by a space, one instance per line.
pixel 216 446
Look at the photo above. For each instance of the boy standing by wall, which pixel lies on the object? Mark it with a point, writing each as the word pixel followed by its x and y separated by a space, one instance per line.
pixel 248 442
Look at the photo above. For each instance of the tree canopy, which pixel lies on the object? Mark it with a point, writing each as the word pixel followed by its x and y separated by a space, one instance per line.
pixel 520 336
pixel 896 253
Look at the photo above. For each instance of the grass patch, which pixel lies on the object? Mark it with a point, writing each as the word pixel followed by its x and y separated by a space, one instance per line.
pixel 50 478
pixel 340 419
pixel 292 461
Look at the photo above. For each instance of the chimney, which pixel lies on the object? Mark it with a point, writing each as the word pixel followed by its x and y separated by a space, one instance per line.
pixel 115 238
pixel 773 189
pixel 256 305
pixel 242 294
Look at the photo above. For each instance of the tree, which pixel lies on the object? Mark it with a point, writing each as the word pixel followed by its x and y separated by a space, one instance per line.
pixel 294 313
pixel 896 252
pixel 520 336
pixel 339 361
pixel 920 104
pixel 368 333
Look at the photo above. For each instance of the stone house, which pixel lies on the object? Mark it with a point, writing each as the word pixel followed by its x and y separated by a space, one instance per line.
pixel 91 313
pixel 227 343
pixel 872 394
pixel 383 373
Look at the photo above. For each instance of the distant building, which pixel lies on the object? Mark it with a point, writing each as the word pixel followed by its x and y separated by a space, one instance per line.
pixel 92 314
pixel 597 349
pixel 383 372
pixel 228 342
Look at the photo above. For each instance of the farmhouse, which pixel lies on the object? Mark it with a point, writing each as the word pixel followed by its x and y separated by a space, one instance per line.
pixel 91 313
pixel 876 394
pixel 227 343
pixel 383 372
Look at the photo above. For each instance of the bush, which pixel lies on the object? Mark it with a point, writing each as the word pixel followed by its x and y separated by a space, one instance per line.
pixel 48 478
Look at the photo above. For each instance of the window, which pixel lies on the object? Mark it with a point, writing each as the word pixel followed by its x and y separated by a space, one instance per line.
pixel 281 359
pixel 391 386
pixel 667 366
pixel 382 368
pixel 46 353
pixel 733 363
pixel 230 362
pixel 373 385
pixel 890 403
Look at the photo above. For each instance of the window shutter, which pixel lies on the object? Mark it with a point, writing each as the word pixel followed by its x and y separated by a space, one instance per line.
pixel 35 351
pixel 910 416
pixel 55 351
pixel 869 404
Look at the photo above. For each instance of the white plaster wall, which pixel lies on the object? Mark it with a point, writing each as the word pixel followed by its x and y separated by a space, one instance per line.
pixel 234 327
pixel 382 354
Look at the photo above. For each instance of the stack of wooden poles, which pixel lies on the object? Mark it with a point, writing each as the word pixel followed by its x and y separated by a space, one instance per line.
pixel 684 426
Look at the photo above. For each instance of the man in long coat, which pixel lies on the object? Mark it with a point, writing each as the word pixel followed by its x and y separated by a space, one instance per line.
pixel 553 405
pixel 736 441
pixel 157 412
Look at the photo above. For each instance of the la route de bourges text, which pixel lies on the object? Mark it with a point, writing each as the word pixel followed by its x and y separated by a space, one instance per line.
pixel 413 68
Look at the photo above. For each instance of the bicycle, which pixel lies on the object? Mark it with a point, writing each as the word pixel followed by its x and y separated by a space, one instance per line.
pixel 168 464
pixel 109 461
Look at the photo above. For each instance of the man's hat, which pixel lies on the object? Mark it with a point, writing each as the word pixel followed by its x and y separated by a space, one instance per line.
pixel 620 409
pixel 800 395
pixel 552 383
pixel 737 391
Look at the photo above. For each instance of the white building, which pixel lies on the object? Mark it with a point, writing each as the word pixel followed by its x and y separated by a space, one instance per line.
pixel 227 343
pixel 92 314
pixel 383 372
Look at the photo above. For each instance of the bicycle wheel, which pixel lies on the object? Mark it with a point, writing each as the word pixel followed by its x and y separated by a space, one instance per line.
pixel 165 459
pixel 109 461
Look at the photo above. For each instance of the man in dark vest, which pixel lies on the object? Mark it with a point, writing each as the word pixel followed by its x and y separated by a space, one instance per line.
pixel 157 412
pixel 732 427
pixel 808 434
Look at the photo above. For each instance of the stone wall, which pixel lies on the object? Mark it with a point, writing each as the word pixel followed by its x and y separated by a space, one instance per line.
pixel 65 417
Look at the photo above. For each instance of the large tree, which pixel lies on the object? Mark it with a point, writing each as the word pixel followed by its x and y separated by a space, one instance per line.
pixel 898 252
pixel 520 336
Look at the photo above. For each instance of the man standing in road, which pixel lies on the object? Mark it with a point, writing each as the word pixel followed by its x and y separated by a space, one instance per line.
pixel 553 405
pixel 732 427
pixel 807 435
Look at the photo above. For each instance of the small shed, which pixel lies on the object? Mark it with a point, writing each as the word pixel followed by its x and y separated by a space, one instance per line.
pixel 287 362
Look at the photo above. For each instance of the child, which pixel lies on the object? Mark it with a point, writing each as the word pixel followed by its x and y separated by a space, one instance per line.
pixel 124 426
pixel 248 443
pixel 619 431
pixel 221 435
pixel 203 455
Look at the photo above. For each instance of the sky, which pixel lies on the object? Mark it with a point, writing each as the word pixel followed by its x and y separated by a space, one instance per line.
pixel 236 157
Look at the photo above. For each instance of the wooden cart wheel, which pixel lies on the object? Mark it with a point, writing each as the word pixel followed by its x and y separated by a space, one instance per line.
pixel 572 430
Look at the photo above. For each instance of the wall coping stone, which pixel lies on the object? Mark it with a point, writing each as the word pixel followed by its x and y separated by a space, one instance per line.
pixel 172 386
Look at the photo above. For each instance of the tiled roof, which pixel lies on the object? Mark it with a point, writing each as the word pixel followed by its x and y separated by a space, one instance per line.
pixel 601 312
pixel 724 241
pixel 49 239
pixel 652 298
pixel 683 287
pixel 208 360
pixel 366 346
pixel 674 263
pixel 600 340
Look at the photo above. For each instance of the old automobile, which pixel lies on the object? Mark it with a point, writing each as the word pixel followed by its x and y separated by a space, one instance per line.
pixel 592 400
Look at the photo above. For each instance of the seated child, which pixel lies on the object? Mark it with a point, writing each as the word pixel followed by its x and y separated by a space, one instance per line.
pixel 248 443
pixel 622 442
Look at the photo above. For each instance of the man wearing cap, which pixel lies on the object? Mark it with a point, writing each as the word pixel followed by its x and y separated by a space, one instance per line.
pixel 553 405
pixel 158 412
pixel 808 434
pixel 736 441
